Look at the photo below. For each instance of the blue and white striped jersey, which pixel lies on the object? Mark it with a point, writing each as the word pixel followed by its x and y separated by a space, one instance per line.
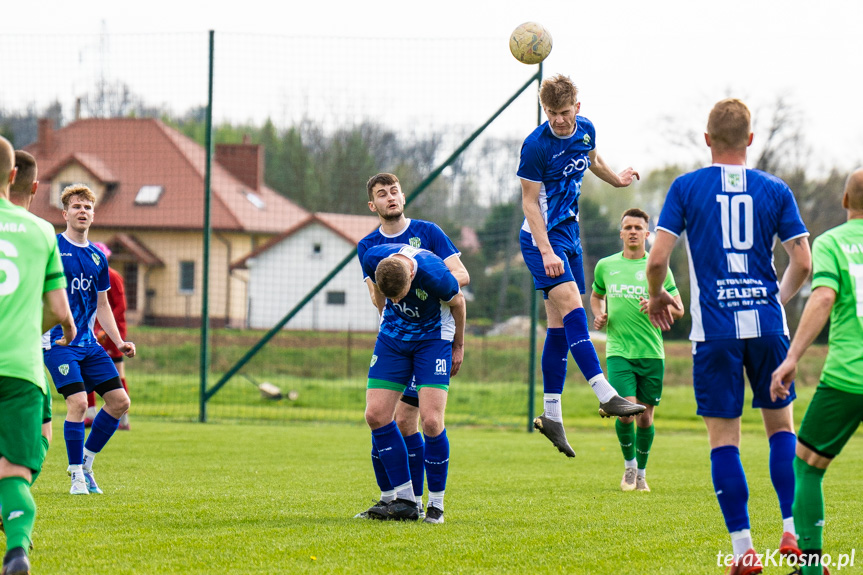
pixel 732 217
pixel 423 314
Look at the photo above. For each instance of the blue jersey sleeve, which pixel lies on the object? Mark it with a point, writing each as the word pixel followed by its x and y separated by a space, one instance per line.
pixel 790 223
pixel 672 217
pixel 441 245
pixel 362 248
pixel 532 163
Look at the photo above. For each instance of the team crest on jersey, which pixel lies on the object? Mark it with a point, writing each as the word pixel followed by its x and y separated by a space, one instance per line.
pixel 587 139
pixel 422 294
pixel 96 259
pixel 64 369
pixel 733 180
pixel 415 242
pixel 639 275
pixel 374 361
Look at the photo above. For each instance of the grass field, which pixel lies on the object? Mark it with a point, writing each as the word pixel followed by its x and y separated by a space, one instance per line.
pixel 190 498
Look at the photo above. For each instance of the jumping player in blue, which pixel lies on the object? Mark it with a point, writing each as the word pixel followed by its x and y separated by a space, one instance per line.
pixel 732 216
pixel 83 365
pixel 554 158
pixel 422 338
pixel 387 200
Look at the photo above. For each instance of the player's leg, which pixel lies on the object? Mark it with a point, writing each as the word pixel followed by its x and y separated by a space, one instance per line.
pixel 717 374
pixel 432 364
pixel 763 355
pixel 47 430
pixel 21 406
pixel 831 419
pixel 622 378
pixel 391 363
pixel 91 409
pixel 63 365
pixel 407 419
pixel 121 370
pixel 649 374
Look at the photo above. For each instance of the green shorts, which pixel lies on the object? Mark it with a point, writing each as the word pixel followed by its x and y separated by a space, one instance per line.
pixel 21 404
pixel 46 407
pixel 831 419
pixel 641 378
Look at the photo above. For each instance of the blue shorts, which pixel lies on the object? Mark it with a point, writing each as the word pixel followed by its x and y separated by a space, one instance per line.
pixel 90 365
pixel 395 363
pixel 566 244
pixel 717 374
pixel 411 390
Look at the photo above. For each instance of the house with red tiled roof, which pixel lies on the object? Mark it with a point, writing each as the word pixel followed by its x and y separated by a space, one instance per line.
pixel 149 184
pixel 296 261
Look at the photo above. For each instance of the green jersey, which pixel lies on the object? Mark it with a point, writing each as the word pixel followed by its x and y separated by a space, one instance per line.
pixel 29 267
pixel 837 261
pixel 623 282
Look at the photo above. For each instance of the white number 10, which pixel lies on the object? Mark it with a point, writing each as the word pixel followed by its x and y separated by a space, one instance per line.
pixel 733 234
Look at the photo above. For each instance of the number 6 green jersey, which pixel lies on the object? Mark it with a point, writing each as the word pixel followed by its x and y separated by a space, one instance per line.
pixel 29 267
pixel 837 260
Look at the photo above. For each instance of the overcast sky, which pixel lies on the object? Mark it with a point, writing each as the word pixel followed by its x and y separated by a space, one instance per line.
pixel 636 63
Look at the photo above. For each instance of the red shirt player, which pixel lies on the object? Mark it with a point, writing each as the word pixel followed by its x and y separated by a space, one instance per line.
pixel 117 301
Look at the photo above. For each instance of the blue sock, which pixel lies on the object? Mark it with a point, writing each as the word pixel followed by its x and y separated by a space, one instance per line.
pixel 416 461
pixel 578 339
pixel 729 483
pixel 73 433
pixel 437 461
pixel 380 472
pixel 782 447
pixel 103 428
pixel 554 357
pixel 393 453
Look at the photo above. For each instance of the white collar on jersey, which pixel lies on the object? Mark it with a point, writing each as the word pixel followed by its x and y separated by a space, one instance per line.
pixel 68 239
pixel 395 235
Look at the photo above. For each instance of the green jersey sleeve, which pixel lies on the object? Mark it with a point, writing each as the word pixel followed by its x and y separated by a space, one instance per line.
pixel 599 278
pixel 825 267
pixel 54 276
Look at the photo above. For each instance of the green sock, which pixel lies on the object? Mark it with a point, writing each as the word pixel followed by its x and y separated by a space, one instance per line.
pixel 45 445
pixel 626 437
pixel 808 510
pixel 643 442
pixel 19 511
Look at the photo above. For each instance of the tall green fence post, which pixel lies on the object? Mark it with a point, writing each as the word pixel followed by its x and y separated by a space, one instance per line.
pixel 205 284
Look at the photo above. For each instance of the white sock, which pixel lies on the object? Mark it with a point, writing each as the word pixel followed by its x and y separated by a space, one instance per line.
pixel 603 390
pixel 628 463
pixel 741 542
pixel 788 525
pixel 405 491
pixel 88 459
pixel 641 473
pixel 436 499
pixel 553 409
pixel 387 496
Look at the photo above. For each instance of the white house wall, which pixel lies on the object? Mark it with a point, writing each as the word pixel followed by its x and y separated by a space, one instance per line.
pixel 284 274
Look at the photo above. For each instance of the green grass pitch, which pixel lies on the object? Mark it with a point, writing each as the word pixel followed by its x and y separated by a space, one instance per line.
pixel 223 498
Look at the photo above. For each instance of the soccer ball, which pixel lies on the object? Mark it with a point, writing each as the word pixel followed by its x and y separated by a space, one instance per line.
pixel 530 43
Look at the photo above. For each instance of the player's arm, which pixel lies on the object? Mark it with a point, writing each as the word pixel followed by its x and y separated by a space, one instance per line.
pixel 676 310
pixel 812 321
pixel 799 267
pixel 55 309
pixel 458 309
pixel 530 204
pixel 657 268
pixel 597 306
pixel 457 269
pixel 109 324
pixel 378 299
pixel 602 171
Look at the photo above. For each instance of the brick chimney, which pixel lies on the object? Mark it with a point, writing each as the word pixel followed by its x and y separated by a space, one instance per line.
pixel 244 161
pixel 45 136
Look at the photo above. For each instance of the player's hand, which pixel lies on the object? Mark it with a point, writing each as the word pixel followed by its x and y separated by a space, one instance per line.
pixel 127 348
pixel 627 176
pixel 782 378
pixel 553 265
pixel 457 358
pixel 69 333
pixel 659 312
pixel 600 321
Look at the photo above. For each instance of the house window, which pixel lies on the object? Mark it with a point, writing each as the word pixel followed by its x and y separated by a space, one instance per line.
pixel 148 195
pixel 336 298
pixel 317 250
pixel 55 198
pixel 187 278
